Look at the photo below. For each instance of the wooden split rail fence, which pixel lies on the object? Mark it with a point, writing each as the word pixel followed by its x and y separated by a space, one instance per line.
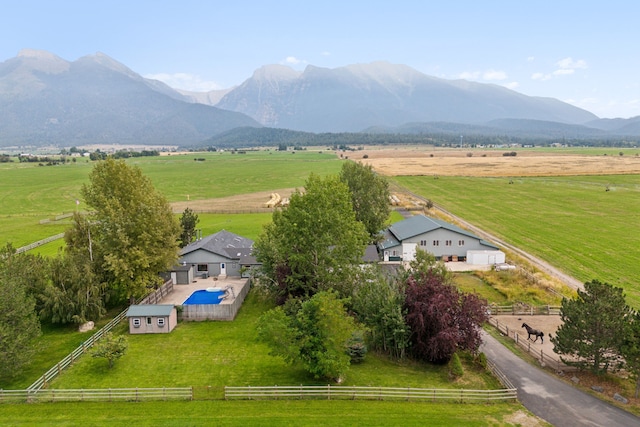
pixel 42 382
pixel 104 395
pixel 329 392
pixel 527 310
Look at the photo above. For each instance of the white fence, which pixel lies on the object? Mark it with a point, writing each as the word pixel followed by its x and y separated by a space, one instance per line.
pixel 105 395
pixel 39 243
pixel 368 393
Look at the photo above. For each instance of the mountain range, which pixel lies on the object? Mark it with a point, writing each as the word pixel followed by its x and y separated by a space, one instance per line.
pixel 47 100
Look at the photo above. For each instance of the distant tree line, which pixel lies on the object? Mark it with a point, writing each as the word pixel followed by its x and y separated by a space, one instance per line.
pixel 122 154
pixel 260 137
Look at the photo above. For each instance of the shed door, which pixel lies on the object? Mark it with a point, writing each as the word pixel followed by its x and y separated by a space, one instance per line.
pixel 409 251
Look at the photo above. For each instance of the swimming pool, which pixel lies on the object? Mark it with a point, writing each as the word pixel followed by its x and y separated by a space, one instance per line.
pixel 205 296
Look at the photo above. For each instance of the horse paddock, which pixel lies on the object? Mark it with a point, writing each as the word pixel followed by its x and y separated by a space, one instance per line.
pixel 548 324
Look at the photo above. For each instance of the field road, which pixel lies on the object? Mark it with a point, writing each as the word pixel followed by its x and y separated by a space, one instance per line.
pixel 540 264
pixel 551 399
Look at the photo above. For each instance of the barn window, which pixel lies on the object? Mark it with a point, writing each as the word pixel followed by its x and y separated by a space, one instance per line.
pixel 149 321
pixel 460 242
pixel 447 242
pixel 423 243
pixel 161 321
pixel 136 322
pixel 436 242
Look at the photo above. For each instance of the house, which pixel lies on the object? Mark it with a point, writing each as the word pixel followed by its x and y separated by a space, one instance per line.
pixel 221 254
pixel 152 318
pixel 445 241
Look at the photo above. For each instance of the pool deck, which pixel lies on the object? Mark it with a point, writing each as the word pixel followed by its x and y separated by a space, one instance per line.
pixel 182 292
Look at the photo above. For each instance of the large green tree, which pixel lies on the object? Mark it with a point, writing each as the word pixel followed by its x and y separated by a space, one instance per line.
pixel 314 244
pixel 378 303
pixel 19 324
pixel 369 195
pixel 593 327
pixel 315 333
pixel 133 233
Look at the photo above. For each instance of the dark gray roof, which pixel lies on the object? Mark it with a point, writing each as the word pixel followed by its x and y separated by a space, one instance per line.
pixel 149 310
pixel 223 243
pixel 371 254
pixel 421 224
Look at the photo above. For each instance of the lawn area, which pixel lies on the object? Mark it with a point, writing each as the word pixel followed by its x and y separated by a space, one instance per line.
pixel 210 355
pixel 571 222
pixel 261 413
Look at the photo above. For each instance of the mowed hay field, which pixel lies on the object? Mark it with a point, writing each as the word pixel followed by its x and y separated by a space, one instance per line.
pixel 584 222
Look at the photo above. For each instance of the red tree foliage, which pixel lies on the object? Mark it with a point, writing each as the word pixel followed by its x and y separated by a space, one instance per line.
pixel 442 319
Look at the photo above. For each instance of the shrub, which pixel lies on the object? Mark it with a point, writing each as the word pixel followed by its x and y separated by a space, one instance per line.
pixel 455 366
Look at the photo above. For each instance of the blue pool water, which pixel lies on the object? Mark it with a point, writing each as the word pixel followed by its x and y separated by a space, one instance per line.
pixel 205 297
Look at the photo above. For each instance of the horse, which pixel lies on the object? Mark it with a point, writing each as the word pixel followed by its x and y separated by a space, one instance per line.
pixel 535 332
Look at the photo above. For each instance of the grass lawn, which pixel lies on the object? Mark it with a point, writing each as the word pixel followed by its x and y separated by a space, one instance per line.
pixel 571 222
pixel 260 413
pixel 210 355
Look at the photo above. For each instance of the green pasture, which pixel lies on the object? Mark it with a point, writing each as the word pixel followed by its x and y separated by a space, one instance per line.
pixel 30 193
pixel 260 413
pixel 570 222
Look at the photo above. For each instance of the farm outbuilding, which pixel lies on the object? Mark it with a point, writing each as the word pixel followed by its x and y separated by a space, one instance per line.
pixel 485 257
pixel 445 241
pixel 152 318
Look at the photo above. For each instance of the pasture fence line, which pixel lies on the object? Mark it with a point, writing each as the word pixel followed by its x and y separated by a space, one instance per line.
pixel 545 359
pixel 57 369
pixel 525 309
pixel 39 243
pixel 506 383
pixel 236 210
pixel 330 392
pixel 103 395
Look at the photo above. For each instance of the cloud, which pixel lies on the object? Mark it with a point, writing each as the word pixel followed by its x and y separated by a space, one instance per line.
pixel 494 75
pixel 569 63
pixel 292 60
pixel 512 85
pixel 565 67
pixel 326 53
pixel 488 75
pixel 530 58
pixel 185 81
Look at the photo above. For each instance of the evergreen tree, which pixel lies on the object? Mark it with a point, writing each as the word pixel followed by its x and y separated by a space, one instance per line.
pixel 188 222
pixel 593 327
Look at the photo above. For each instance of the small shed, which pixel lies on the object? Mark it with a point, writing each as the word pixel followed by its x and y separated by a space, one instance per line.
pixel 485 257
pixel 152 318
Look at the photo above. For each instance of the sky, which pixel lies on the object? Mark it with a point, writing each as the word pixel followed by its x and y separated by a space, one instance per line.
pixel 582 52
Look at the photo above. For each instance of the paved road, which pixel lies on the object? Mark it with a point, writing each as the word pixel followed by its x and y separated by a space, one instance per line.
pixel 553 400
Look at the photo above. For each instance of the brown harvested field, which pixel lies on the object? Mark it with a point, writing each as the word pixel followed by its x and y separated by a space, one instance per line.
pixel 488 163
pixel 251 201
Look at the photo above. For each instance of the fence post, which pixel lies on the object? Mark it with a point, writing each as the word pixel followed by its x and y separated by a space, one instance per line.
pixel 516 337
pixel 328 391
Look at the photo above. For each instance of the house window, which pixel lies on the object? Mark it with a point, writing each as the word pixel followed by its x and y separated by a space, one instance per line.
pixel 394 253
pixel 460 242
pixel 447 242
pixel 436 243
pixel 203 267
pixel 136 322
pixel 161 321
pixel 423 243
pixel 149 321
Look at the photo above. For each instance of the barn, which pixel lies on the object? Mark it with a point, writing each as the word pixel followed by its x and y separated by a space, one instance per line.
pixel 445 241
